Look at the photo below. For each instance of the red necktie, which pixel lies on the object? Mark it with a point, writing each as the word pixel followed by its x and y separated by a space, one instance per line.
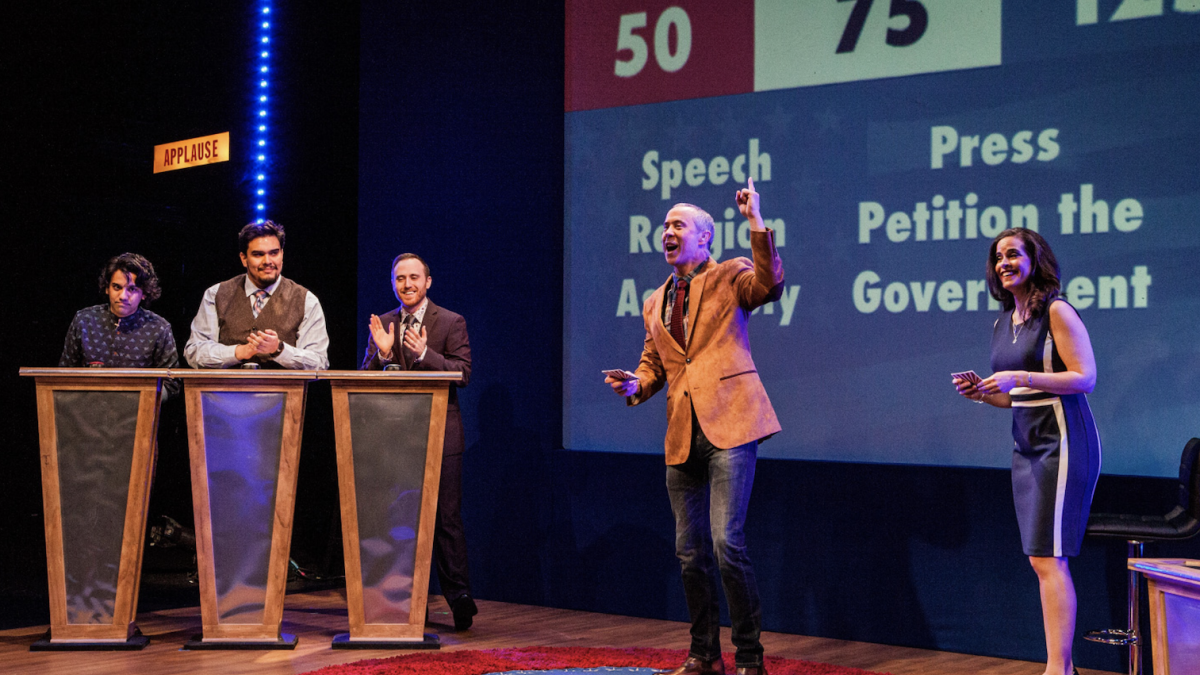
pixel 677 312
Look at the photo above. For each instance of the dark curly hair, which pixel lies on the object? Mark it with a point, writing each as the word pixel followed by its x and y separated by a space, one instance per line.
pixel 1043 276
pixel 141 270
pixel 255 230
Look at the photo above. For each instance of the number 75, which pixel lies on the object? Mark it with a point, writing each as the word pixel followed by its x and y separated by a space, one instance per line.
pixel 918 20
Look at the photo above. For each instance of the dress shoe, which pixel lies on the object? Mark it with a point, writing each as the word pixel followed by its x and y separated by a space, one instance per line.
pixel 695 666
pixel 463 609
pixel 751 670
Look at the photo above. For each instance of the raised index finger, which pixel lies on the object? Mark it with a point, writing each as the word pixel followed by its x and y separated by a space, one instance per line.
pixel 750 182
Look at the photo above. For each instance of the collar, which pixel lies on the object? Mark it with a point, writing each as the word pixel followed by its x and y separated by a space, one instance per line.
pixel 419 314
pixel 675 278
pixel 120 322
pixel 251 289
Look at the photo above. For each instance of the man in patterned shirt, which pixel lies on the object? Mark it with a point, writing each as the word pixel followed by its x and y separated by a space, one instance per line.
pixel 123 333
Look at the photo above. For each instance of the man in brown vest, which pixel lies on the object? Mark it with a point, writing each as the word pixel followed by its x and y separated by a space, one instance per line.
pixel 259 317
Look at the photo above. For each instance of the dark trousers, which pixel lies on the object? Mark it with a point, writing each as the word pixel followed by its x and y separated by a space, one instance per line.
pixel 709 495
pixel 449 539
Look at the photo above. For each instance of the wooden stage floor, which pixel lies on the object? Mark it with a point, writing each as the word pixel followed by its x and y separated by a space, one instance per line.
pixel 316 617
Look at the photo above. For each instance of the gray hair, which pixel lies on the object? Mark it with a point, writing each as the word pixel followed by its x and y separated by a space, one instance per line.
pixel 704 221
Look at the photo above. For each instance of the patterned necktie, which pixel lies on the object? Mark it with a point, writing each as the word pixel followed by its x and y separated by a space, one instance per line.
pixel 677 310
pixel 260 299
pixel 408 322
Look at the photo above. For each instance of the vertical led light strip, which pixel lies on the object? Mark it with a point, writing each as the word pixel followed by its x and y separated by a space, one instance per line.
pixel 259 157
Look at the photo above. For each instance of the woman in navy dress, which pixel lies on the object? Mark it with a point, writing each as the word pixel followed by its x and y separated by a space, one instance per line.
pixel 1043 368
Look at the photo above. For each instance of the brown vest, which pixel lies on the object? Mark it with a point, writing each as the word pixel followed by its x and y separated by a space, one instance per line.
pixel 282 313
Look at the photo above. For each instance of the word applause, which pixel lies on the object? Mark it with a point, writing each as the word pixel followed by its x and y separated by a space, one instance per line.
pixel 191 152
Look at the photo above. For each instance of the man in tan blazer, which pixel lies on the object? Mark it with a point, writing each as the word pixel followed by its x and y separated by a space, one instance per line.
pixel 717 412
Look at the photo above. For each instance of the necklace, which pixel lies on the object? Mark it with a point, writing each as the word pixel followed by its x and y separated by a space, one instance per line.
pixel 1016 329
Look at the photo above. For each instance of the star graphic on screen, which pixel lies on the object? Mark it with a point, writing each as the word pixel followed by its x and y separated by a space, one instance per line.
pixel 828 120
pixel 633 130
pixel 681 133
pixel 809 190
pixel 730 128
pixel 780 122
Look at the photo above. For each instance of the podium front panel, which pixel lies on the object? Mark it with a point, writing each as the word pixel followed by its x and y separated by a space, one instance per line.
pixel 244 429
pixel 1182 618
pixel 96 433
pixel 243 434
pixel 389 429
pixel 390 432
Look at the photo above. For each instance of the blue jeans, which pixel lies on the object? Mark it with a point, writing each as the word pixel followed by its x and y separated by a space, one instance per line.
pixel 709 494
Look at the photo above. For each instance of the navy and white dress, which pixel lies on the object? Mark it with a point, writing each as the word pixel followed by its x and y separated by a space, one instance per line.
pixel 1056 447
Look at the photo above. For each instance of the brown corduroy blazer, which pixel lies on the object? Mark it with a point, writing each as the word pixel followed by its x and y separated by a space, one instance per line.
pixel 715 374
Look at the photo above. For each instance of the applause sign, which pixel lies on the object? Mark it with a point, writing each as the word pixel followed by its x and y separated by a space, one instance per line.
pixel 191 152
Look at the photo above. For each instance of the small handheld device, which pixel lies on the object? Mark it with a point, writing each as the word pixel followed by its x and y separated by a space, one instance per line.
pixel 618 374
pixel 969 376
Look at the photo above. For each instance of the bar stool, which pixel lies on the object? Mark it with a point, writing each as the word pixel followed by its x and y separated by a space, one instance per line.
pixel 1182 522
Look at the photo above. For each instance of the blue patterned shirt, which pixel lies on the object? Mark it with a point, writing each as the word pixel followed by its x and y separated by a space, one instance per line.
pixel 141 340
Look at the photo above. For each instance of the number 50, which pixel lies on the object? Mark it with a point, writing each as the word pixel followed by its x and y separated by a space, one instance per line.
pixel 629 41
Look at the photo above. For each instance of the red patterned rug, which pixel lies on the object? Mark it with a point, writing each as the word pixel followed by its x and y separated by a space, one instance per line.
pixel 484 661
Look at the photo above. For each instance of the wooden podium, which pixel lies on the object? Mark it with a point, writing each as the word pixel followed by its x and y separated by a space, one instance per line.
pixel 97 429
pixel 389 428
pixel 1174 590
pixel 244 429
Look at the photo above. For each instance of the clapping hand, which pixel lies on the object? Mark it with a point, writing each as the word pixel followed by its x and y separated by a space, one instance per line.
pixel 384 339
pixel 415 342
pixel 257 342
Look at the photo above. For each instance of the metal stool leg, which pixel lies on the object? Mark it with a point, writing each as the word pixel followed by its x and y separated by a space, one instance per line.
pixel 1136 548
pixel 1130 637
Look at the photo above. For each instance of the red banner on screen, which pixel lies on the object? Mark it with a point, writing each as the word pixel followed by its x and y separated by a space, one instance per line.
pixel 628 52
